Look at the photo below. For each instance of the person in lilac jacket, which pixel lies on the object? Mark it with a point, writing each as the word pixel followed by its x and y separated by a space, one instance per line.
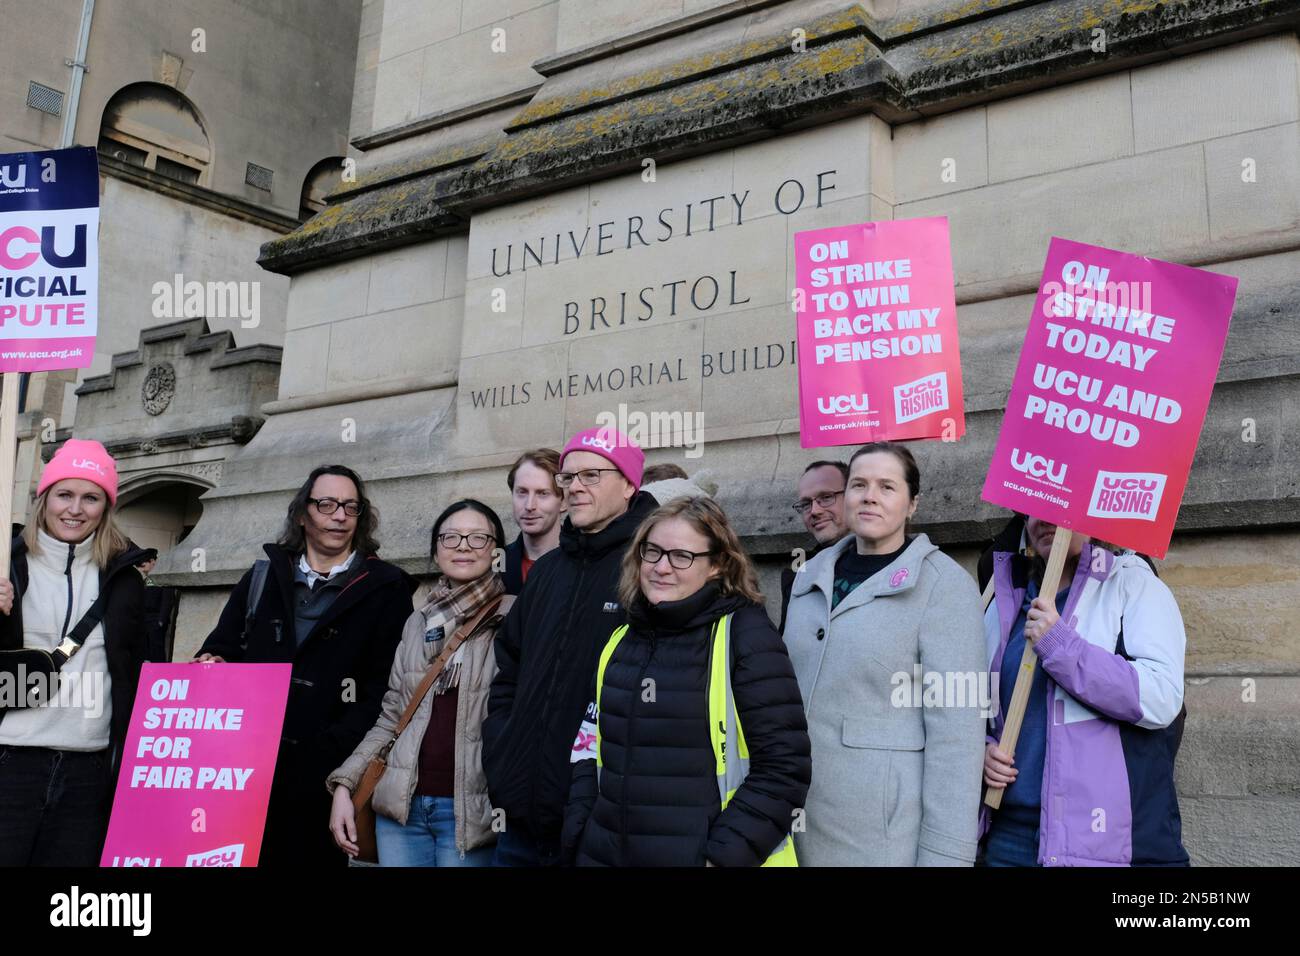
pixel 1092 780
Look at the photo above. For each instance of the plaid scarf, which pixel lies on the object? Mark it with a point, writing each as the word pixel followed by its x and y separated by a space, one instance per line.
pixel 448 607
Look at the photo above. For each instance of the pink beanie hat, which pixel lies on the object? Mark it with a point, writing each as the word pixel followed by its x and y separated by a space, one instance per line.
pixel 79 458
pixel 612 444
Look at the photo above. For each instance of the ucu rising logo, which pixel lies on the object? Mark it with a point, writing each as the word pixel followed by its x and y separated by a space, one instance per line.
pixel 87 465
pixel 1119 494
pixel 842 404
pixel 232 855
pixel 595 441
pixel 920 398
pixel 1036 466
pixel 12 180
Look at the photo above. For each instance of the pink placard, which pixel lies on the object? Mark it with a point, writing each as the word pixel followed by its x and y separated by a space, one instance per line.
pixel 877 332
pixel 196 771
pixel 1112 388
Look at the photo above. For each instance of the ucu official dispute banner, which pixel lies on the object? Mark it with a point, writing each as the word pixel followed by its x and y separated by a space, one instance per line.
pixel 49 259
pixel 197 765
pixel 877 333
pixel 1113 384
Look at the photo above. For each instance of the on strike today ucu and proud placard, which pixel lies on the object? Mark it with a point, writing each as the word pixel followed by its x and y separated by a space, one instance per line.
pixel 49 227
pixel 1114 380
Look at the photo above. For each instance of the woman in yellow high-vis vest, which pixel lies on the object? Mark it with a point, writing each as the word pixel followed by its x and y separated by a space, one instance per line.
pixel 694 751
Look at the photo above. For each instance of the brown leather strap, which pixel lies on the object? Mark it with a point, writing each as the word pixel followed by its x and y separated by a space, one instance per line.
pixel 440 662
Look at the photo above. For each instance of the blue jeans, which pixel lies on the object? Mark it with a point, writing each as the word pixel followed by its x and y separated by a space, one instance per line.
pixel 1013 837
pixel 427 839
pixel 515 848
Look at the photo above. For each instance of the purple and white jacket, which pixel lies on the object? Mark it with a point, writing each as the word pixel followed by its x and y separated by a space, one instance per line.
pixel 1114 666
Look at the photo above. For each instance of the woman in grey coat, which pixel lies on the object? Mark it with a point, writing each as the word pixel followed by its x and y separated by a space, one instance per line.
pixel 885 635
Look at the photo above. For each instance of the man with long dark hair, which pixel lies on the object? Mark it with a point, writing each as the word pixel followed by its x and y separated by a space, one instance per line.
pixel 323 601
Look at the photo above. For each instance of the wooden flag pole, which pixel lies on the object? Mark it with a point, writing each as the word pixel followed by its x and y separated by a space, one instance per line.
pixel 8 457
pixel 1025 675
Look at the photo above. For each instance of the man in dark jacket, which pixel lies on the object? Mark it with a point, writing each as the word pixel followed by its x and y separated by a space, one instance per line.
pixel 538 505
pixel 324 602
pixel 548 649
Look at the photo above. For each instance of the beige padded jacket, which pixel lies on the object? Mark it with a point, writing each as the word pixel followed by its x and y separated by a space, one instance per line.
pixel 393 794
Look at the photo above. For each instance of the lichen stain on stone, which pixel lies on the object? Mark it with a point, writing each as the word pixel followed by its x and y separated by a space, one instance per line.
pixel 421 162
pixel 1042 24
pixel 357 214
pixel 853 18
pixel 949 15
pixel 687 103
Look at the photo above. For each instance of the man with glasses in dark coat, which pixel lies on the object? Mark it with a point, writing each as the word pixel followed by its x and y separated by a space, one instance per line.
pixel 821 506
pixel 550 644
pixel 323 601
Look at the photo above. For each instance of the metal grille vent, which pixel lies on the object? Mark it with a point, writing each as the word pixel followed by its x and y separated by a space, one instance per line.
pixel 259 177
pixel 44 98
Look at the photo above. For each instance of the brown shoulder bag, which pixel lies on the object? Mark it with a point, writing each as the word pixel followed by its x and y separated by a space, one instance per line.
pixel 363 808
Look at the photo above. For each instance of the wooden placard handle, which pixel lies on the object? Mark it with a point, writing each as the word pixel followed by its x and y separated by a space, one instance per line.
pixel 1025 674
pixel 8 456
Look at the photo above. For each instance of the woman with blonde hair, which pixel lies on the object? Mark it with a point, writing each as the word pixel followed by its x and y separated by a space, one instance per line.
pixel 73 602
pixel 694 751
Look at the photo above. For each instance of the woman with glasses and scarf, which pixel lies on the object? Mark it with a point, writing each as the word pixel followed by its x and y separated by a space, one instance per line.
pixel 655 783
pixel 431 805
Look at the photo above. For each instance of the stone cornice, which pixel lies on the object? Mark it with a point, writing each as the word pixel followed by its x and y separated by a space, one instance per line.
pixel 239 430
pixel 426 124
pixel 196 195
pixel 221 344
pixel 898 68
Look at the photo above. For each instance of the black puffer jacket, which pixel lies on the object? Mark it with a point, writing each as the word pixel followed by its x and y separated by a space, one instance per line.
pixel 123 623
pixel 547 652
pixel 340 675
pixel 658 801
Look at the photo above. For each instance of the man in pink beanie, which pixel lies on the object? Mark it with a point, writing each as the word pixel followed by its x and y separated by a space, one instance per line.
pixel 550 644
pixel 80 458
pixel 582 456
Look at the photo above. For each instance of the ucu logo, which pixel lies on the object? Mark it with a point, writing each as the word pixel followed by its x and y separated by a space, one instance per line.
pixel 593 441
pixel 1127 495
pixel 232 855
pixel 9 179
pixel 839 404
pixel 1036 466
pixel 923 397
pixel 88 465
pixel 15 258
pixel 1130 484
pixel 917 388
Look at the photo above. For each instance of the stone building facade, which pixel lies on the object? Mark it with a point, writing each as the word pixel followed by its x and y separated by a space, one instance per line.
pixel 564 207
pixel 218 125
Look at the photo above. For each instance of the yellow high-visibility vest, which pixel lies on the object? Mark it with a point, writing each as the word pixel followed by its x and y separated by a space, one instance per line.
pixel 724 724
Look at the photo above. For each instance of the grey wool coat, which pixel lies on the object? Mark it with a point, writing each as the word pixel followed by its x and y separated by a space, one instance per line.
pixel 896 771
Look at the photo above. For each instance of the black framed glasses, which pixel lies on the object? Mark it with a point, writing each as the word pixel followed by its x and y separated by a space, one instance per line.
pixel 678 558
pixel 588 476
pixel 327 506
pixel 824 500
pixel 478 540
